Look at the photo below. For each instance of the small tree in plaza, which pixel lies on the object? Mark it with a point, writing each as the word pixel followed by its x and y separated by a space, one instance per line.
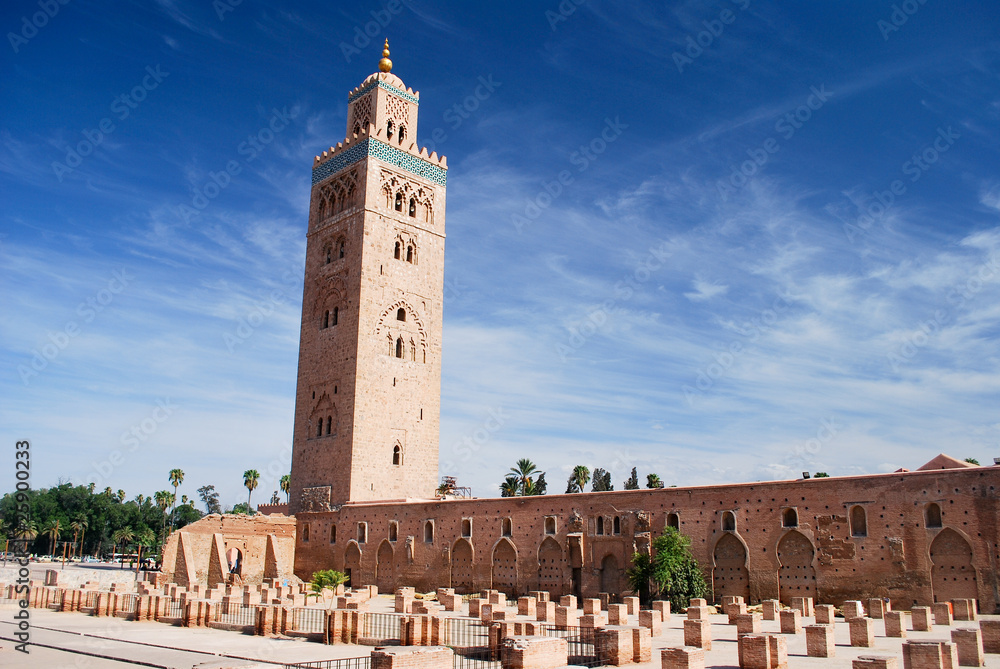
pixel 670 573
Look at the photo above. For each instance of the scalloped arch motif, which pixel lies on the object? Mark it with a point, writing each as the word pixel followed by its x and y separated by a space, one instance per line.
pixel 411 313
pixel 329 291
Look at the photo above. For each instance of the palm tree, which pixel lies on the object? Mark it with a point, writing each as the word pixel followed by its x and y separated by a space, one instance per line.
pixel 139 499
pixel 162 498
pixel 120 495
pixel 176 477
pixel 53 530
pixel 509 487
pixel 286 485
pixel 250 478
pixel 523 471
pixel 107 492
pixel 653 481
pixel 580 477
pixel 79 526
pixel 122 537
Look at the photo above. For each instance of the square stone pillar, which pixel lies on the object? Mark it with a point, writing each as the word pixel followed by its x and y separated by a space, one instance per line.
pixel 698 601
pixel 748 623
pixel 929 655
pixel 545 612
pixel 651 620
pixel 540 595
pixel 877 609
pixel 969 644
pixel 895 624
pixel 964 609
pixel 685 657
pixel 398 657
pixel 779 651
pixel 755 652
pixel 617 614
pixel 498 599
pixel 991 635
pixel 593 620
pixel 566 617
pixel 614 645
pixel 803 605
pixel 486 613
pixel 697 613
pixel 474 605
pixel 862 632
pixel 736 609
pixel 769 609
pixel 875 662
pixel 852 609
pixel 533 652
pixel 642 645
pixel 819 641
pixel 631 605
pixel 698 633
pixel 824 614
pixel 526 606
pixel 664 608
pixel 942 613
pixel 592 605
pixel 920 618
pixel 791 621
pixel 569 601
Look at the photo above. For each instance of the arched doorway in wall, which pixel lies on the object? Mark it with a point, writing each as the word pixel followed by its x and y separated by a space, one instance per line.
pixel 611 576
pixel 384 574
pixel 796 574
pixel 504 568
pixel 952 573
pixel 461 567
pixel 234 560
pixel 352 565
pixel 551 567
pixel 730 576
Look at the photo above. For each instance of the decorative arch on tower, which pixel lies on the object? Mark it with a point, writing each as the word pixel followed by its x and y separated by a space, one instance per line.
pixel 323 420
pixel 406 197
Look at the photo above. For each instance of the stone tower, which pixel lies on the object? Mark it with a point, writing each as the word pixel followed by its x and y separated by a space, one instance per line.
pixel 369 383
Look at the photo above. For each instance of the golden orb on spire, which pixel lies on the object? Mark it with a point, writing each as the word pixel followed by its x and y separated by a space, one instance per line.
pixel 385 65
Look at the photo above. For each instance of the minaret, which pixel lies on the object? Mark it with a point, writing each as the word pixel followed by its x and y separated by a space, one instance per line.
pixel 369 383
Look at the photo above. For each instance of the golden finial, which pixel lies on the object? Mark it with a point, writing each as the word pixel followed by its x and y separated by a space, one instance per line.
pixel 385 65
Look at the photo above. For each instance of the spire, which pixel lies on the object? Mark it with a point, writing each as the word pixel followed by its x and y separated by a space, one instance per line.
pixel 385 65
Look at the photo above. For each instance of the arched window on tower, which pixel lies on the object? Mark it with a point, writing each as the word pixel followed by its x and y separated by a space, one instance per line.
pixel 429 532
pixel 413 351
pixel 413 207
pixel 319 428
pixel 336 315
pixel 396 252
pixel 728 521
pixel 409 254
pixel 397 455
pixel 329 424
pixel 859 523
pixel 326 319
pixel 399 347
pixel 329 255
pixel 343 246
pixel 401 314
pixel 399 203
pixel 402 133
pixel 933 515
pixel 790 518
pixel 357 128
pixel 388 129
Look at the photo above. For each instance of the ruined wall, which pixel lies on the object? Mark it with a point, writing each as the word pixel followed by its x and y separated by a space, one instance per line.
pixel 850 537
pixel 197 552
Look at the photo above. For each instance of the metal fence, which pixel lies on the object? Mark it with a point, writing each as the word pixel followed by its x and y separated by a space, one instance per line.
pixel 236 614
pixel 342 663
pixel 381 628
pixel 89 599
pixel 476 658
pixel 173 609
pixel 127 601
pixel 308 619
pixel 466 633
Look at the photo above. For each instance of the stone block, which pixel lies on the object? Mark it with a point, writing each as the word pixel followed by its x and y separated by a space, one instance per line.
pixel 593 620
pixel 642 645
pixel 852 609
pixel 735 609
pixel 895 624
pixel 748 623
pixel 486 613
pixel 685 657
pixel 824 614
pixel 875 661
pixel 698 601
pixel 969 644
pixel 964 609
pixel 698 613
pixel 819 641
pixel 698 633
pixel 990 630
pixel 631 604
pixel 614 645
pixel 877 608
pixel 862 632
pixel 540 595
pixel 942 613
pixel 406 657
pixel 474 605
pixel 803 605
pixel 566 617
pixel 664 608
pixel 920 618
pixel 769 609
pixel 526 606
pixel 779 651
pixel 533 652
pixel 569 601
pixel 929 655
pixel 617 614
pixel 754 652
pixel 791 621
pixel 651 620
pixel 591 605
pixel 498 599
pixel 545 612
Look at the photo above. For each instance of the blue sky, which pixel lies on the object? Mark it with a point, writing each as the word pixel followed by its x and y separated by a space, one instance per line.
pixel 720 241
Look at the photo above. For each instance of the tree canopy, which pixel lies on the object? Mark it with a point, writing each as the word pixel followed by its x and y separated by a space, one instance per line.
pixel 670 573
